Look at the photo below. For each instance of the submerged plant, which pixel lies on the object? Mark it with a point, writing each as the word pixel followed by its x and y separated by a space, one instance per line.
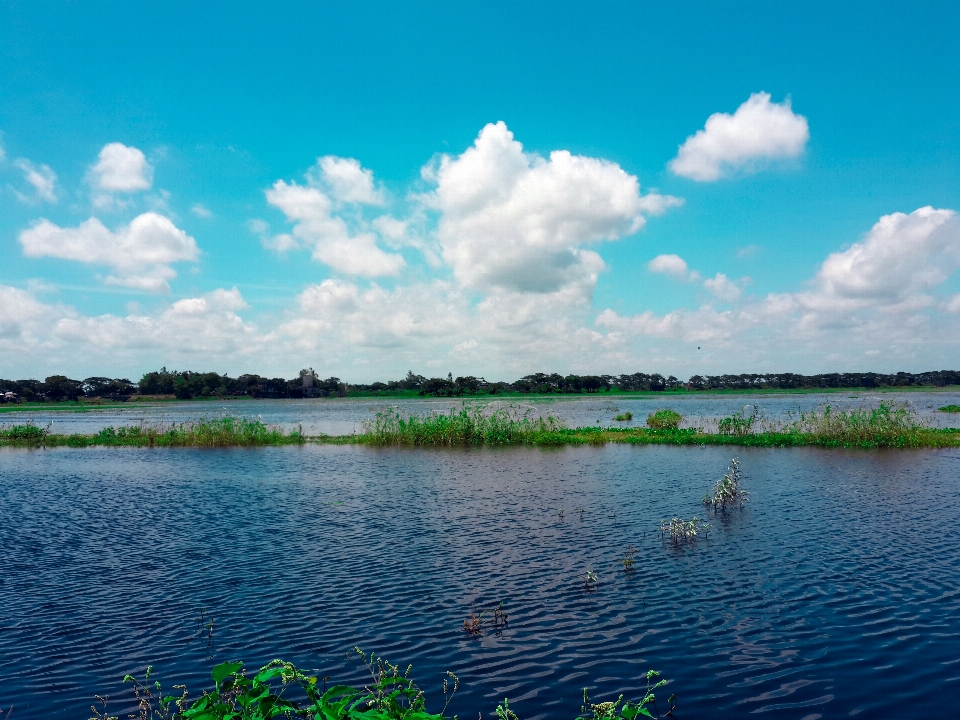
pixel 683 531
pixel 664 420
pixel 627 559
pixel 727 490
pixel 474 623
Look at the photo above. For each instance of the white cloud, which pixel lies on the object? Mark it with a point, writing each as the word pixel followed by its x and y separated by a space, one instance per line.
pixel 120 168
pixel 201 211
pixel 328 235
pixel 673 265
pixel 722 288
pixel 346 180
pixel 515 221
pixel 139 253
pixel 41 177
pixel 901 256
pixel 758 132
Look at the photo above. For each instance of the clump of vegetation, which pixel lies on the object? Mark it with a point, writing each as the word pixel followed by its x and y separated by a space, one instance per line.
pixel 647 707
pixel 949 409
pixel 497 620
pixel 624 417
pixel 887 425
pixel 281 690
pixel 727 490
pixel 741 422
pixel 664 420
pixel 467 426
pixel 683 531
pixel 213 432
pixel 627 559
pixel 271 691
pixel 591 581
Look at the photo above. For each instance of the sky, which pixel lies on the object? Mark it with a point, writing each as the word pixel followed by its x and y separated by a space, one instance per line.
pixel 489 189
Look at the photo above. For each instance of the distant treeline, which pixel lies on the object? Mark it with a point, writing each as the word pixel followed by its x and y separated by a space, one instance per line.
pixel 187 384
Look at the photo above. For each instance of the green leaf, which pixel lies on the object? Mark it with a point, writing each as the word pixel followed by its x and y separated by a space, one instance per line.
pixel 225 670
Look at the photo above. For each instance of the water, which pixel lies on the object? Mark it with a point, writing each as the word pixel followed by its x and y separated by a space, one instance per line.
pixel 342 417
pixel 834 593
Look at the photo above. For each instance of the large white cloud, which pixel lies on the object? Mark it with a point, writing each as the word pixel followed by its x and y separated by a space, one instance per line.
pixel 511 220
pixel 140 254
pixel 328 235
pixel 758 132
pixel 121 168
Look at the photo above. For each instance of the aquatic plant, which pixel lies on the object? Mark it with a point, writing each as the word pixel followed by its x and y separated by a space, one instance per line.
pixel 683 531
pixel 280 689
pixel 467 426
pixel 474 622
pixel 949 409
pixel 226 431
pixel 741 422
pixel 887 425
pixel 647 707
pixel 627 559
pixel 664 420
pixel 591 580
pixel 727 490
pixel 624 417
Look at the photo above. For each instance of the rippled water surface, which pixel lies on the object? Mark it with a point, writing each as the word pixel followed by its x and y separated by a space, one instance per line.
pixel 834 594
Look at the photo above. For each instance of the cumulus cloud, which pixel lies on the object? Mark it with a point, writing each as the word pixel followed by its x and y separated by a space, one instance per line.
pixel 515 221
pixel 879 292
pixel 37 337
pixel 722 288
pixel 758 132
pixel 346 180
pixel 672 265
pixel 42 178
pixel 901 256
pixel 328 235
pixel 121 168
pixel 140 253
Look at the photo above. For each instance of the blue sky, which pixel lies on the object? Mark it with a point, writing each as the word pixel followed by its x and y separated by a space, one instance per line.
pixel 142 224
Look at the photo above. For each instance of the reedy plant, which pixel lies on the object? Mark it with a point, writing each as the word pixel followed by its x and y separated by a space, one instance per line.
pixel 467 426
pixel 727 490
pixel 664 420
pixel 683 531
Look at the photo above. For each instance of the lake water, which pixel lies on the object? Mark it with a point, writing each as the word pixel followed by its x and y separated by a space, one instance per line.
pixel 834 593
pixel 333 416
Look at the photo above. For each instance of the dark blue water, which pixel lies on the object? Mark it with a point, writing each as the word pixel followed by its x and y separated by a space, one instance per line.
pixel 835 593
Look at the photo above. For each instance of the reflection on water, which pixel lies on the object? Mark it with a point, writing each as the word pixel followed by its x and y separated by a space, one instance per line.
pixel 835 592
pixel 332 416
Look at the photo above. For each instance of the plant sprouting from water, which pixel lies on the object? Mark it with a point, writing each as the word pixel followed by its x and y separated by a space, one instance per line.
pixel 647 707
pixel 664 420
pixel 497 620
pixel 591 581
pixel 742 422
pixel 727 490
pixel 949 409
pixel 627 560
pixel 624 417
pixel 681 532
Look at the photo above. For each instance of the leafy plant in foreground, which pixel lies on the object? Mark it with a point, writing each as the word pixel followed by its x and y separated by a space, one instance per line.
pixel 647 707
pixel 727 490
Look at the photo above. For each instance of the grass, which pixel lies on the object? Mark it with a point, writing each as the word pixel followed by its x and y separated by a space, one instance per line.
pixel 949 409
pixel 624 417
pixel 217 432
pixel 281 690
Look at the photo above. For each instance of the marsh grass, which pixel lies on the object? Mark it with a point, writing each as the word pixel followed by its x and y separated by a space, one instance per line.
pixel 624 417
pixel 949 409
pixel 467 426
pixel 207 432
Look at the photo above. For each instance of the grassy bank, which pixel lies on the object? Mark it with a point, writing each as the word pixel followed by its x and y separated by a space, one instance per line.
pixel 219 432
pixel 884 426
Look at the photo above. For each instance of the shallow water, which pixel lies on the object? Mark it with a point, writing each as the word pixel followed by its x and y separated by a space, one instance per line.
pixel 333 416
pixel 836 592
